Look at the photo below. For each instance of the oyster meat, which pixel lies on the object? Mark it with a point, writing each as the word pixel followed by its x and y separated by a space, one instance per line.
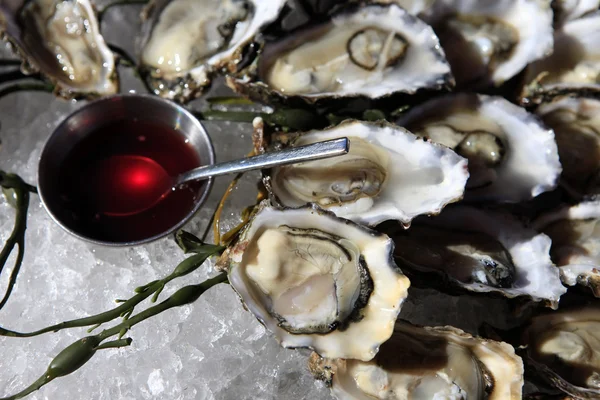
pixel 479 251
pixel 61 39
pixel 575 234
pixel 491 41
pixel 563 348
pixel 388 174
pixel 364 51
pixel 512 156
pixel 424 363
pixel 573 67
pixel 184 42
pixel 317 281
pixel 576 125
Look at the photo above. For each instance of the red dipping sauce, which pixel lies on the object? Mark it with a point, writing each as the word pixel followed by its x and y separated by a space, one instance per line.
pixel 109 181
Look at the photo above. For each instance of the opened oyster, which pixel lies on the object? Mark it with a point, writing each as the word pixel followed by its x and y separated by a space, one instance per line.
pixel 185 41
pixel 317 281
pixel 491 41
pixel 480 251
pixel 512 156
pixel 388 174
pixel 61 39
pixel 573 67
pixel 563 348
pixel 575 234
pixel 424 363
pixel 363 51
pixel 576 125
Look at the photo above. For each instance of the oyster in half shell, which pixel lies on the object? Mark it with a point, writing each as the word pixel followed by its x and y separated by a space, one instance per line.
pixel 576 125
pixel 184 42
pixel 317 281
pixel 389 173
pixel 368 51
pixel 61 39
pixel 512 156
pixel 489 42
pixel 575 234
pixel 424 363
pixel 563 347
pixel 479 251
pixel 574 65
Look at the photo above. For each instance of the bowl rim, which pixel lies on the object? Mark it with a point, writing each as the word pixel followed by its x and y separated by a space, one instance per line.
pixel 199 202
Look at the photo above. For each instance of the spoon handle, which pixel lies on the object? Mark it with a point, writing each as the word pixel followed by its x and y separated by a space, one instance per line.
pixel 315 151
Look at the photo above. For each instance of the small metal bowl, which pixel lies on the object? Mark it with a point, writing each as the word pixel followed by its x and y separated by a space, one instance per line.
pixel 85 121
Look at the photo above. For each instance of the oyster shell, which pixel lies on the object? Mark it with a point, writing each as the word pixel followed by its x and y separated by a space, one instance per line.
pixel 512 156
pixel 317 281
pixel 368 51
pixel 489 42
pixel 479 251
pixel 567 10
pixel 184 42
pixel 575 234
pixel 576 125
pixel 573 67
pixel 61 39
pixel 388 174
pixel 563 348
pixel 424 363
pixel 415 7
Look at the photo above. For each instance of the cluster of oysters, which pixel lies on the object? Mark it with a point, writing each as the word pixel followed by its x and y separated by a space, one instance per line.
pixel 486 183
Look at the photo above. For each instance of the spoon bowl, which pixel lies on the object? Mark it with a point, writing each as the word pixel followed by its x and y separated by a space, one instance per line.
pixel 138 178
pixel 146 183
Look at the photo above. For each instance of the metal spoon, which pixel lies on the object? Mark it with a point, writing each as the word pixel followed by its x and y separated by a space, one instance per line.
pixel 123 184
pixel 162 184
pixel 314 151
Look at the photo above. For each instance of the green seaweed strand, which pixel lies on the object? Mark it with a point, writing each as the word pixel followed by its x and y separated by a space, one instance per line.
pixel 17 194
pixel 26 86
pixel 80 352
pixel 190 264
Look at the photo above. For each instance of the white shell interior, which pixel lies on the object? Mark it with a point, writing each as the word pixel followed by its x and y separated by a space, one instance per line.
pixel 579 261
pixel 74 52
pixel 567 340
pixel 532 19
pixel 415 7
pixel 186 39
pixel 567 10
pixel 575 61
pixel 360 340
pixel 536 275
pixel 422 177
pixel 325 57
pixel 428 375
pixel 530 166
pixel 576 125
